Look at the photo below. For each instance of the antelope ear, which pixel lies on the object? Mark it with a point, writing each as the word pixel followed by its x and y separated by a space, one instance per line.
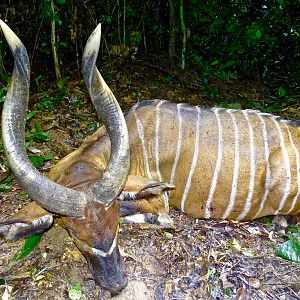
pixel 138 188
pixel 142 201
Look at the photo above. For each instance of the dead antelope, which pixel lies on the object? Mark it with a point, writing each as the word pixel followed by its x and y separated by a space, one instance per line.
pixel 209 163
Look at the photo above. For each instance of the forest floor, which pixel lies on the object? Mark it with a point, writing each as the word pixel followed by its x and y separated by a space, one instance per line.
pixel 198 260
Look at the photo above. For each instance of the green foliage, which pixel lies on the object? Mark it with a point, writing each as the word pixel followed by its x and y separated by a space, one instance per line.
pixel 35 135
pixel 227 292
pixel 6 183
pixel 3 93
pixel 92 126
pixel 75 292
pixel 166 79
pixel 52 98
pixel 29 245
pixel 259 39
pixel 290 250
pixel 268 220
pixel 234 105
pixel 39 160
pixel 293 229
pixel 226 40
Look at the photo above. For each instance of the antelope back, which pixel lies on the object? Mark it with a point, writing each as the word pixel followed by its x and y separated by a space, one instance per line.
pixel 224 163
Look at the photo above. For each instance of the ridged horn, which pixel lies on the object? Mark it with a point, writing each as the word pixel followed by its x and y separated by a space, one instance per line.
pixel 111 184
pixel 50 195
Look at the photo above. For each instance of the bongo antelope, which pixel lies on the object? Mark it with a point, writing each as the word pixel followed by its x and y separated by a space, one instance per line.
pixel 208 163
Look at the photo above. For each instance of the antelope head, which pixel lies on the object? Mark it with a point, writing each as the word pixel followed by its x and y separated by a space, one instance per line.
pixel 91 213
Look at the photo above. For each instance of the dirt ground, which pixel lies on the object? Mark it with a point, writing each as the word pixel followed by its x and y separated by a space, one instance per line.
pixel 198 260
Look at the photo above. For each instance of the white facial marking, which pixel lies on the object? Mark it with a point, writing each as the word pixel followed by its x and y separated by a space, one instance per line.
pixel 111 249
pixel 236 167
pixel 194 161
pixel 207 214
pixel 248 202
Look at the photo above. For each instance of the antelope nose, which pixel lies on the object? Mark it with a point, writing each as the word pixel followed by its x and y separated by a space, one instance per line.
pixel 118 287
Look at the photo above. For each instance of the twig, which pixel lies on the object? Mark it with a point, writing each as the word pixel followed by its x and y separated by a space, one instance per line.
pixel 35 41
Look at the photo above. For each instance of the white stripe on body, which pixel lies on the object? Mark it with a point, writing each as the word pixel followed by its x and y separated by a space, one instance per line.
pixel 236 166
pixel 248 202
pixel 297 166
pixel 207 214
pixel 194 161
pixel 140 129
pixel 157 140
pixel 165 195
pixel 179 141
pixel 268 169
pixel 287 167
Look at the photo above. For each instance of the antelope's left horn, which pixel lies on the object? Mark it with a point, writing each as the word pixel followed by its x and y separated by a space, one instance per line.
pixel 48 194
pixel 114 177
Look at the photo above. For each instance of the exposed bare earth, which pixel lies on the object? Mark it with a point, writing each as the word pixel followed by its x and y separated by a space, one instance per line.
pixel 199 260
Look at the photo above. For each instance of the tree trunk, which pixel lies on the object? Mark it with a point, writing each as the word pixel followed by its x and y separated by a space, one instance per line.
pixel 183 28
pixel 172 33
pixel 53 44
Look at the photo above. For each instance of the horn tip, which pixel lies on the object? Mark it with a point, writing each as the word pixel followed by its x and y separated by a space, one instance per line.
pixel 93 43
pixel 13 41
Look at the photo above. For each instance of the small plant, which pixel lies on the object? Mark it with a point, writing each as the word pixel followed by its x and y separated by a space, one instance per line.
pixel 290 250
pixel 75 292
pixel 36 135
pixel 3 93
pixel 29 245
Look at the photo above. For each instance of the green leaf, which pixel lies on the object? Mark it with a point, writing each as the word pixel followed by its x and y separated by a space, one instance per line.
pixel 268 221
pixel 48 156
pixel 79 135
pixel 280 2
pixel 227 292
pixel 3 94
pixel 31 114
pixel 234 105
pixel 293 229
pixel 258 34
pixel 38 127
pixel 36 160
pixel 30 244
pixel 230 63
pixel 75 292
pixel 215 62
pixel 281 91
pixel 60 83
pixel 289 250
pixel 2 281
pixel 168 234
pixel 92 126
pixel 5 187
pixel 63 44
pixel 41 137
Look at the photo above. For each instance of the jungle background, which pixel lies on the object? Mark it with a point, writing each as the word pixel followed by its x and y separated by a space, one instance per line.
pixel 229 53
